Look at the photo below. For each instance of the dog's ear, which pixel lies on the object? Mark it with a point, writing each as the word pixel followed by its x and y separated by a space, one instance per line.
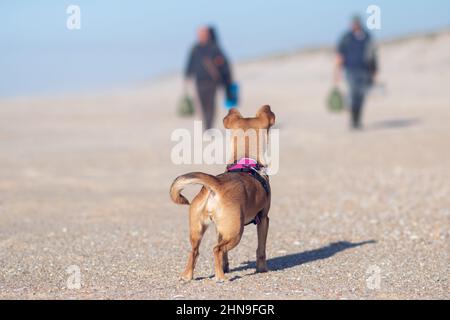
pixel 232 116
pixel 265 113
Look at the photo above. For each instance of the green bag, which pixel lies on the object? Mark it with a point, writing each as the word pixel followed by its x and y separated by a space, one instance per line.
pixel 335 100
pixel 186 106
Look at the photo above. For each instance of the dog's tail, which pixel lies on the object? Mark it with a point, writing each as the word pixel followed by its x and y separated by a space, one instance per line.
pixel 178 185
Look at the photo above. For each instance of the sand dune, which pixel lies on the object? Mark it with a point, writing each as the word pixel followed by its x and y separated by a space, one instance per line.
pixel 84 181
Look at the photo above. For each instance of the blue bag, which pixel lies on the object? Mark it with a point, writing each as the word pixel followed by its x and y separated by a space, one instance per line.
pixel 232 96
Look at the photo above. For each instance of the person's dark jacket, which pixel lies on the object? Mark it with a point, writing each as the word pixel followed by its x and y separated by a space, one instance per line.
pixel 208 63
pixel 358 53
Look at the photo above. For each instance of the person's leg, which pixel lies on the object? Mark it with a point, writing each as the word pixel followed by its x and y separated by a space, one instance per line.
pixel 354 97
pixel 210 106
pixel 357 86
pixel 359 109
pixel 201 93
pixel 361 90
pixel 207 96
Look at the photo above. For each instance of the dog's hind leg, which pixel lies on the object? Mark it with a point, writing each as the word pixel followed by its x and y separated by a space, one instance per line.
pixel 224 245
pixel 197 229
pixel 262 229
pixel 226 265
pixel 219 250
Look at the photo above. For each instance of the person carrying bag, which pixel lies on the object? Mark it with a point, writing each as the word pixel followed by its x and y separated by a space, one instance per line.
pixel 209 67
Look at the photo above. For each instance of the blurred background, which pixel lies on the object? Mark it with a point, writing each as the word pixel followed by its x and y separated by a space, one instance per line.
pixel 86 119
pixel 127 43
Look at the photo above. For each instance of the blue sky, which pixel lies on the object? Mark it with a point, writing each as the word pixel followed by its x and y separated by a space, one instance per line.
pixel 125 42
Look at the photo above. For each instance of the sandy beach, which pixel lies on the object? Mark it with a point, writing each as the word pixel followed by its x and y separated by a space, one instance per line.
pixel 84 181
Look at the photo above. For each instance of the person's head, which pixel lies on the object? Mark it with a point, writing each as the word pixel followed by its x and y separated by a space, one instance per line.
pixel 356 24
pixel 203 35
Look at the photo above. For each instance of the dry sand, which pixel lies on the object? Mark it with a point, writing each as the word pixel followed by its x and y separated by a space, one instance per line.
pixel 84 181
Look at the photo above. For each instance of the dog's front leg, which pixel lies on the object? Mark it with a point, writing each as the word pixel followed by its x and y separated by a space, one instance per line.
pixel 262 229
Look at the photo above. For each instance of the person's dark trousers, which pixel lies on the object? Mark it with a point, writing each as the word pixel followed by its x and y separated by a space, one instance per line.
pixel 358 81
pixel 206 91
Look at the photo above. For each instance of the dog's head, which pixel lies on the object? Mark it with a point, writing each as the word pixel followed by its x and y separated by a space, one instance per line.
pixel 249 136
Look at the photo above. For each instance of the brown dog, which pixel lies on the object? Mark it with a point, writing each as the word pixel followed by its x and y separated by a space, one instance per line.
pixel 232 199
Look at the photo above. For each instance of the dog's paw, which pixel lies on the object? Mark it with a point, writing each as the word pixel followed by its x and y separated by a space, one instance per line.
pixel 221 280
pixel 262 269
pixel 185 277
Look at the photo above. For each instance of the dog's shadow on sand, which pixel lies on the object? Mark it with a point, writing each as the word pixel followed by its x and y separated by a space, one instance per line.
pixel 295 259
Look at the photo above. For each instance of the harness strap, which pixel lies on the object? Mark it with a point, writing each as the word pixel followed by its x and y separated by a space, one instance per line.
pixel 254 173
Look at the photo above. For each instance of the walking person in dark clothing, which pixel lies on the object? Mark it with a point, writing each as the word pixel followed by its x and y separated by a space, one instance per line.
pixel 356 55
pixel 210 69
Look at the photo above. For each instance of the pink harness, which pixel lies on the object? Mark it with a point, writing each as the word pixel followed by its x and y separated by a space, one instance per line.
pixel 244 163
pixel 250 166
